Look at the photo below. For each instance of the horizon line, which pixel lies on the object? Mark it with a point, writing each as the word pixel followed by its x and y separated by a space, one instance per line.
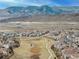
pixel 37 6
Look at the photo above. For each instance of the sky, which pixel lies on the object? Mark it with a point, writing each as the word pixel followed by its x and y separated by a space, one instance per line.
pixel 8 3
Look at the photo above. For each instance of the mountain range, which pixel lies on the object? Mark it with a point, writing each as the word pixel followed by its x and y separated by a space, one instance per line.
pixel 29 11
pixel 42 10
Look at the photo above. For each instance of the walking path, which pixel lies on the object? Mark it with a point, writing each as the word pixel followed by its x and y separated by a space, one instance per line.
pixel 48 47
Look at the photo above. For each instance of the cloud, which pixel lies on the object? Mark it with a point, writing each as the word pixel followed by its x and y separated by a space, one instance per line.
pixel 7 3
pixel 28 2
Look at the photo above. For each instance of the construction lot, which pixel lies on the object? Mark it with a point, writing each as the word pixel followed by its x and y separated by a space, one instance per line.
pixel 31 48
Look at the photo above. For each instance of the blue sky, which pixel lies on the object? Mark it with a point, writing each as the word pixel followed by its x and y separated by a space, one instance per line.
pixel 8 3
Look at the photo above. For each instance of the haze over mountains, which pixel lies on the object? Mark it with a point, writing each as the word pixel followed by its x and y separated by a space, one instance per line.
pixel 36 13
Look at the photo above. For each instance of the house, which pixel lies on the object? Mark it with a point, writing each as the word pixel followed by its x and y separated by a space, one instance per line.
pixel 70 53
